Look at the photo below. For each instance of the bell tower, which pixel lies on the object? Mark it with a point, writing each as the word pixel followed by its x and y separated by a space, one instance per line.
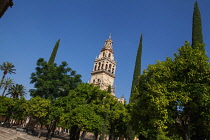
pixel 103 73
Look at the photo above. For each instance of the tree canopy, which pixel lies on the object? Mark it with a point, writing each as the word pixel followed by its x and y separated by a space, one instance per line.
pixel 173 94
pixel 90 109
pixel 52 81
pixel 16 91
pixel 6 67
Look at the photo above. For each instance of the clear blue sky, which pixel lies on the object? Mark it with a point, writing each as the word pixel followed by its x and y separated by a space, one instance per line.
pixel 29 30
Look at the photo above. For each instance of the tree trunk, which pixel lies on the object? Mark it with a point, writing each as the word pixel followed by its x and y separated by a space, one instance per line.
pixel 40 131
pixel 83 135
pixel 7 119
pixel 2 79
pixel 75 132
pixel 96 135
pixel 15 95
pixel 5 88
pixel 111 134
pixel 48 130
pixel 53 128
pixel 78 134
pixel 186 131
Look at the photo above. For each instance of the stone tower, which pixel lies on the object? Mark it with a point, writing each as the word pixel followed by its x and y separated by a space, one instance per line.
pixel 103 73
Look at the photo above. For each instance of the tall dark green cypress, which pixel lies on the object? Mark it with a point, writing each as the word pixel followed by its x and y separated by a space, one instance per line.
pixel 197 35
pixel 109 90
pixel 137 69
pixel 54 52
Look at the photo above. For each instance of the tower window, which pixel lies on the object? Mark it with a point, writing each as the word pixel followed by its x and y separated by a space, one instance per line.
pixel 95 66
pixel 110 66
pixel 109 54
pixel 99 65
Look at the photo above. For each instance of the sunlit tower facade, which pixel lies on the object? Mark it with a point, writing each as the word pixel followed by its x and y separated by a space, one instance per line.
pixel 103 73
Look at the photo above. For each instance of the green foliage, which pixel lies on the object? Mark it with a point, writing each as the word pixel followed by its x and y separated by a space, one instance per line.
pixel 137 69
pixel 56 109
pixel 86 107
pixel 129 134
pixel 19 112
pixel 54 52
pixel 118 117
pixel 12 108
pixel 84 102
pixel 93 110
pixel 136 74
pixel 37 108
pixel 109 90
pixel 16 90
pixel 52 81
pixel 6 106
pixel 174 93
pixel 197 36
pixel 86 117
pixel 6 67
pixel 7 83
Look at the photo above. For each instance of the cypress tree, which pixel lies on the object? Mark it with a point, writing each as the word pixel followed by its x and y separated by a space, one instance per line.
pixel 54 52
pixel 197 35
pixel 137 69
pixel 109 90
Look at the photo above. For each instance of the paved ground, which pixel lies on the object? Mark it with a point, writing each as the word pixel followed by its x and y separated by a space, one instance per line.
pixel 12 134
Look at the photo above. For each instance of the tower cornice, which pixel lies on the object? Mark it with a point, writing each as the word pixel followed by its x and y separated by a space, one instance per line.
pixel 105 58
pixel 103 71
